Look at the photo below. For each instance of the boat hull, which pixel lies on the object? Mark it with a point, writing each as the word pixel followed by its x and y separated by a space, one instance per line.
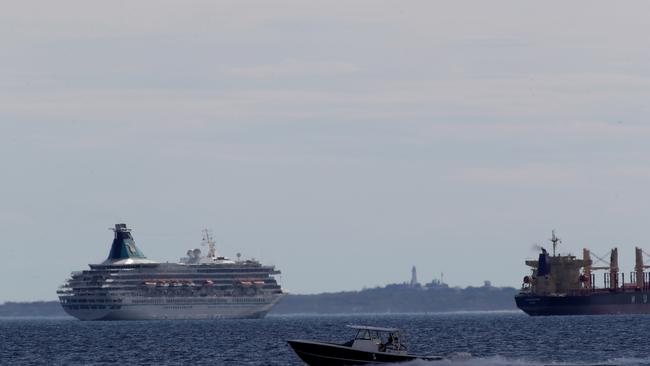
pixel 329 354
pixel 603 303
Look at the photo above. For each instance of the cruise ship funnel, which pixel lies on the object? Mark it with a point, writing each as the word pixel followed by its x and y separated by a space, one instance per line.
pixel 123 246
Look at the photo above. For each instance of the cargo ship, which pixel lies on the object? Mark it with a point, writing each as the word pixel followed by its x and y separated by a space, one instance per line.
pixel 129 286
pixel 566 285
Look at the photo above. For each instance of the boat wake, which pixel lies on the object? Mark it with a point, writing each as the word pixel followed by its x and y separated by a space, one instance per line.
pixel 505 361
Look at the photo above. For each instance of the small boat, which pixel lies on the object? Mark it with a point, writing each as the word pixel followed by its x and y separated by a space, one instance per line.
pixel 371 345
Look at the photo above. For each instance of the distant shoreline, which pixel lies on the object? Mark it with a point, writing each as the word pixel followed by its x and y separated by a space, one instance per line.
pixel 402 298
pixel 342 315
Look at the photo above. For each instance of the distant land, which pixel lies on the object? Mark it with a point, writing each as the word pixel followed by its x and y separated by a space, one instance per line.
pixel 32 309
pixel 393 298
pixel 402 298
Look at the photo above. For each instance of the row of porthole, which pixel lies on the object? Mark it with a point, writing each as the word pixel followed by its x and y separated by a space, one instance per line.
pixel 92 307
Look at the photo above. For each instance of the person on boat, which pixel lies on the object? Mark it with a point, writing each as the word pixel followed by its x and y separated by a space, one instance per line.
pixel 390 343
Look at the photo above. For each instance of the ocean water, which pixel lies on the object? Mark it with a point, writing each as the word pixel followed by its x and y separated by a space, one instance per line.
pixel 492 339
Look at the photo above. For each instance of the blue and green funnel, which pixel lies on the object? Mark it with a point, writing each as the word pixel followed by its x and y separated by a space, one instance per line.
pixel 123 245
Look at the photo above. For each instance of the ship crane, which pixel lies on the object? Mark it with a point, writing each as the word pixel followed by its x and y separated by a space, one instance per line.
pixel 602 260
pixel 641 280
pixel 588 268
pixel 644 253
pixel 611 279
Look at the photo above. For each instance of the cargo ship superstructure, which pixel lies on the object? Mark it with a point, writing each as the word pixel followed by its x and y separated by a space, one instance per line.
pixel 128 286
pixel 566 285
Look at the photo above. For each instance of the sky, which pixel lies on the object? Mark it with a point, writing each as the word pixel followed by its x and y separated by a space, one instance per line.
pixel 343 143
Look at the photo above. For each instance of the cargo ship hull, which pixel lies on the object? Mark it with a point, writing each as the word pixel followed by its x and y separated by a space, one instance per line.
pixel 588 304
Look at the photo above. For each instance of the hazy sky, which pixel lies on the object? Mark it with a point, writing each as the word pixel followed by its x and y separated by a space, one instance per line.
pixel 342 142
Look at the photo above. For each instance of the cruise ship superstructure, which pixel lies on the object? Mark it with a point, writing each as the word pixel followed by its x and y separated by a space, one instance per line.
pixel 128 286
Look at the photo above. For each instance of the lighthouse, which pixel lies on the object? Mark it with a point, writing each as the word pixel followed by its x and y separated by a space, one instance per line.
pixel 414 278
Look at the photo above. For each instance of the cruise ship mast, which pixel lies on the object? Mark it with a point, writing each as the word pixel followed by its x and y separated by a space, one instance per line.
pixel 209 242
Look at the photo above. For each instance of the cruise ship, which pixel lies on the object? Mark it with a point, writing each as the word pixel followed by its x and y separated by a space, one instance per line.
pixel 128 286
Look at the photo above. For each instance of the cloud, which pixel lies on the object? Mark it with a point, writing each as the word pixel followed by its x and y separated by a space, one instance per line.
pixel 417 118
pixel 294 67
pixel 534 175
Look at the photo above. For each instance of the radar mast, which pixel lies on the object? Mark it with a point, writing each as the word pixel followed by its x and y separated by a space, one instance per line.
pixel 555 240
pixel 209 242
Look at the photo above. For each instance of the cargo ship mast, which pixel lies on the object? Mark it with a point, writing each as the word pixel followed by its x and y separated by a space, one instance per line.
pixel 555 240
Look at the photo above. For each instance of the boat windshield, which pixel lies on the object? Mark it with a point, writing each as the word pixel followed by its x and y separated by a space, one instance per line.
pixel 377 338
pixel 373 335
pixel 363 334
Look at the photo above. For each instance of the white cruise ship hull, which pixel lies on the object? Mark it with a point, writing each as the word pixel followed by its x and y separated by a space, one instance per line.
pixel 178 309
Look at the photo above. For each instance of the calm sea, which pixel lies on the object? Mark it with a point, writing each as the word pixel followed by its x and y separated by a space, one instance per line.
pixel 492 339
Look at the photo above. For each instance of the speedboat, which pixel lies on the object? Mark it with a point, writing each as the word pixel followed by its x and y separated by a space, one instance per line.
pixel 371 345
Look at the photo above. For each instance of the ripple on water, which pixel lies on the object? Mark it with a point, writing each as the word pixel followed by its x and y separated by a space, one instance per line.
pixel 497 339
